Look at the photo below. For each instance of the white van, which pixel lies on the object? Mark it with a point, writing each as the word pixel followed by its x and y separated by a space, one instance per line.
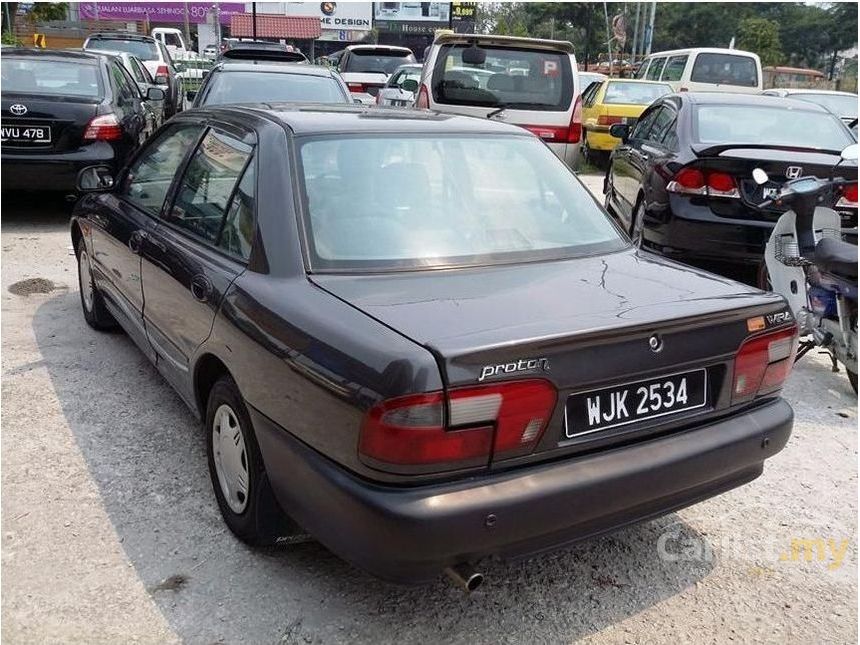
pixel 705 69
pixel 524 81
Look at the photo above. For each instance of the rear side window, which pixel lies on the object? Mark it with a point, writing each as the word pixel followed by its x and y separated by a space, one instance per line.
pixel 674 69
pixel 238 231
pixel 527 79
pixel 654 69
pixel 663 121
pixel 54 77
pixel 643 69
pixel 382 61
pixel 725 69
pixel 631 93
pixel 207 186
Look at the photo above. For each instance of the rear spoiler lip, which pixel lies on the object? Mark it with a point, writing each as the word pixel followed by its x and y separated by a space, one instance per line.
pixel 715 150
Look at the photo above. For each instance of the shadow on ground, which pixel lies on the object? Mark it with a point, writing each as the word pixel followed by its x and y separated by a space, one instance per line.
pixel 146 454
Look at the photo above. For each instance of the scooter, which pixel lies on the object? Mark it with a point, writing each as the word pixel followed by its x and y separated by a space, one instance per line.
pixel 813 269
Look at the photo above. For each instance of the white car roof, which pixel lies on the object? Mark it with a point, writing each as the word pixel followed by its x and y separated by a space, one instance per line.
pixel 703 50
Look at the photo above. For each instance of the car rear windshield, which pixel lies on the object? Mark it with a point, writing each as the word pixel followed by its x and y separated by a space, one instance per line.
pixel 763 125
pixel 382 61
pixel 527 79
pixel 272 87
pixel 725 69
pixel 406 202
pixel 634 93
pixel 50 76
pixel 143 49
pixel 837 103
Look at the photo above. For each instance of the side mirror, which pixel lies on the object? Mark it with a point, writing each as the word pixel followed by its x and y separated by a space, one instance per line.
pixel 759 176
pixel 409 85
pixel 474 55
pixel 620 131
pixel 190 95
pixel 851 153
pixel 95 179
pixel 154 94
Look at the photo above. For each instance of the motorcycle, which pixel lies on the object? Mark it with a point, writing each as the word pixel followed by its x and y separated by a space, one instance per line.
pixel 810 265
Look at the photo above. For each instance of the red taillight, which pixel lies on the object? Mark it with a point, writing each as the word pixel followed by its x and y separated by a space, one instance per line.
pixel 763 363
pixel 355 87
pixel 423 100
pixel 692 181
pixel 849 196
pixel 574 132
pixel 502 420
pixel 605 119
pixel 162 74
pixel 103 128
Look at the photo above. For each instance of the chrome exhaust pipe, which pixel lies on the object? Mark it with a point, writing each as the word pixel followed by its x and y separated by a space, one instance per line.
pixel 465 577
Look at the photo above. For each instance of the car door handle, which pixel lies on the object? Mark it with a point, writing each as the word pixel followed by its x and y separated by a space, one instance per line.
pixel 201 287
pixel 136 240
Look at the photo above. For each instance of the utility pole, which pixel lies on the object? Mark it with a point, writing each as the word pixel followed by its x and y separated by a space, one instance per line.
pixel 254 20
pixel 636 33
pixel 649 32
pixel 608 38
pixel 187 27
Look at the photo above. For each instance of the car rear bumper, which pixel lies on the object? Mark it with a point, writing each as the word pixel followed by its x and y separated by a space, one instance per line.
pixel 411 534
pixel 53 171
pixel 690 231
pixel 567 152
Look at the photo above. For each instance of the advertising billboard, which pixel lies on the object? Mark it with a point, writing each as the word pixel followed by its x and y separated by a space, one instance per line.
pixel 334 15
pixel 157 11
pixel 438 12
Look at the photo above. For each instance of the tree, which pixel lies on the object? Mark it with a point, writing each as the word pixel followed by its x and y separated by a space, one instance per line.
pixel 43 11
pixel 760 36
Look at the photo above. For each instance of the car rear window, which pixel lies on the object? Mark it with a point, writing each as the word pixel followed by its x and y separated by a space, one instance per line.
pixel 634 93
pixel 763 125
pixel 272 87
pixel 527 79
pixel 143 49
pixel 388 202
pixel 382 61
pixel 725 69
pixel 50 76
pixel 836 103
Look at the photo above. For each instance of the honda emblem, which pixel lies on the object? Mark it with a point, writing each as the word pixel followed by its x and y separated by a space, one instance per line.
pixel 793 172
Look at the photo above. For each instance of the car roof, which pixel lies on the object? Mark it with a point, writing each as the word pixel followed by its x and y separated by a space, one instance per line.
pixel 513 41
pixel 638 81
pixel 726 98
pixel 386 47
pixel 120 35
pixel 82 56
pixel 332 118
pixel 703 50
pixel 246 65
pixel 792 90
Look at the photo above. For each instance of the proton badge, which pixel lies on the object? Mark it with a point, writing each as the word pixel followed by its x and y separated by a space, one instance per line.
pixel 655 343
pixel 18 110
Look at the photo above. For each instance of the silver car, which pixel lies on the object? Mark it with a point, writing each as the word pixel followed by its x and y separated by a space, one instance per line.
pixel 401 86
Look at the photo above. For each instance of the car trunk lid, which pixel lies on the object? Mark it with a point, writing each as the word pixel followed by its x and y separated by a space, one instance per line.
pixel 62 118
pixel 580 324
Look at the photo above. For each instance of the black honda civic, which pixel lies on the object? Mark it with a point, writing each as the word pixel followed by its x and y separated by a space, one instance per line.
pixel 419 339
pixel 68 117
pixel 681 180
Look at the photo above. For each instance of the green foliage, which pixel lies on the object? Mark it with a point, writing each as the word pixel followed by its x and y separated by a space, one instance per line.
pixel 761 36
pixel 9 38
pixel 42 11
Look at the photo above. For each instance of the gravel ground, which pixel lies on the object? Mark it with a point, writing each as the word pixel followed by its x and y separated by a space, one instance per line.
pixel 110 531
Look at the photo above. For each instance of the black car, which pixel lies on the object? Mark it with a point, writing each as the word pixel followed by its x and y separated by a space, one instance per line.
pixel 264 81
pixel 681 180
pixel 65 112
pixel 418 337
pixel 261 49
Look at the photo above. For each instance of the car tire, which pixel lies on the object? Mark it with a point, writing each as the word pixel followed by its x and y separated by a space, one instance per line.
pixel 852 378
pixel 92 303
pixel 608 193
pixel 763 281
pixel 637 223
pixel 239 480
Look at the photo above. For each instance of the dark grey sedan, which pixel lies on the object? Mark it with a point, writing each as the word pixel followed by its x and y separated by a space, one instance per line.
pixel 418 338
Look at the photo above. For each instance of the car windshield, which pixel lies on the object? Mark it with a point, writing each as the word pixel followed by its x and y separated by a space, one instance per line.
pixel 50 76
pixel 630 93
pixel 763 125
pixel 414 202
pixel 143 49
pixel 840 104
pixel 515 78
pixel 725 69
pixel 272 87
pixel 382 61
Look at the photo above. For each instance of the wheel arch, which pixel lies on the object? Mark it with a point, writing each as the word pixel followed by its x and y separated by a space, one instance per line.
pixel 207 370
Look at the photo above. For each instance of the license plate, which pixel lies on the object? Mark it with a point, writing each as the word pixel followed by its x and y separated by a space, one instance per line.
pixel 621 405
pixel 25 134
pixel 769 193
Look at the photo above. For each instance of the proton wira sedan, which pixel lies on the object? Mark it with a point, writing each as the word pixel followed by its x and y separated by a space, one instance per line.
pixel 419 339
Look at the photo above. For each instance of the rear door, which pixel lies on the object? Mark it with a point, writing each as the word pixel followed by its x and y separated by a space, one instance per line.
pixel 201 245
pixel 624 169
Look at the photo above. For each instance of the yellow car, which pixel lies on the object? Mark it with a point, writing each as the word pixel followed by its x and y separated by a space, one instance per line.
pixel 615 100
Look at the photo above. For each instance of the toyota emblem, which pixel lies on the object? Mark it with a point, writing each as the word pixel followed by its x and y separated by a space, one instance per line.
pixel 793 172
pixel 18 109
pixel 655 343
